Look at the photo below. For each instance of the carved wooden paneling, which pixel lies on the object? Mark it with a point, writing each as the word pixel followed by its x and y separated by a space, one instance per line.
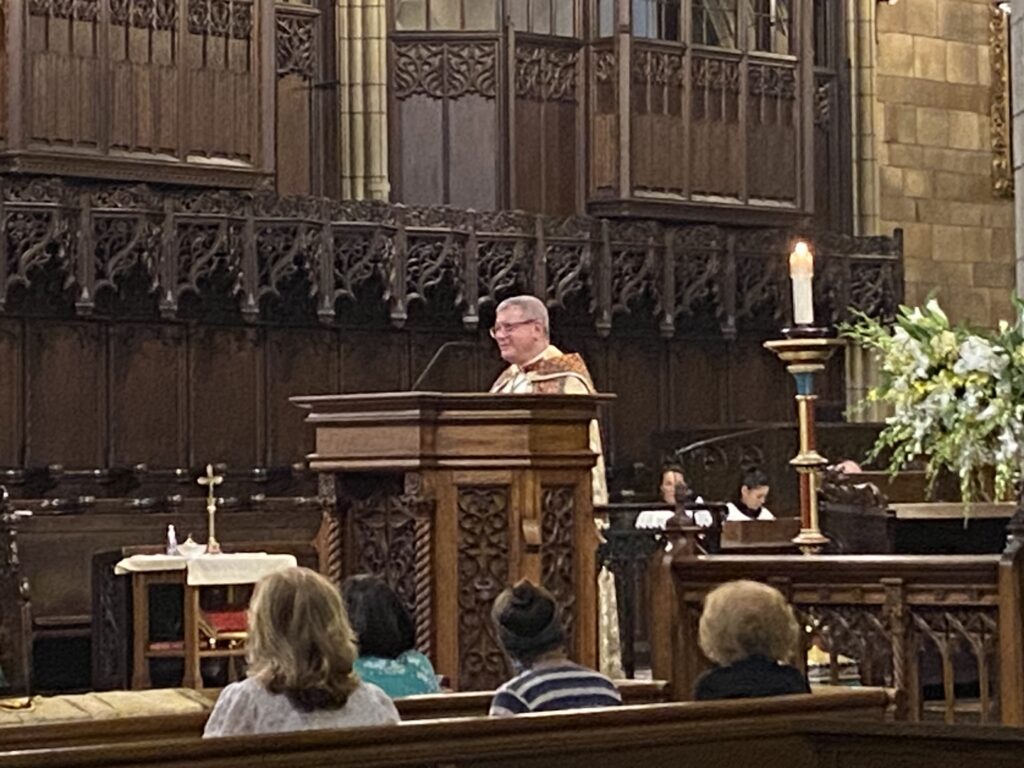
pixel 446 97
pixel 148 367
pixel 227 396
pixel 558 575
pixel 300 362
pixel 545 108
pixel 145 99
pixel 483 574
pixel 221 96
pixel 119 83
pixel 12 374
pixel 63 72
pixel 65 375
pixel 604 127
pixel 300 295
pixel 772 132
pixel 658 152
pixel 299 111
pixel 445 70
pixel 715 130
pixel 391 538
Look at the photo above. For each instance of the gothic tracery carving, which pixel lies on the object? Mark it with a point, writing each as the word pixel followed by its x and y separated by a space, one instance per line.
pixel 483 574
pixel 546 74
pixel 402 254
pixel 715 74
pixel 221 18
pixel 296 46
pixel 78 10
pixel 445 70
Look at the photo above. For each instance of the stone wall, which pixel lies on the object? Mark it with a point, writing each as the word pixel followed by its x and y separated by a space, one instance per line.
pixel 933 135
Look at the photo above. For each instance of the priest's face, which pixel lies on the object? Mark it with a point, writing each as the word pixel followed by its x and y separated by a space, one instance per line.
pixel 520 339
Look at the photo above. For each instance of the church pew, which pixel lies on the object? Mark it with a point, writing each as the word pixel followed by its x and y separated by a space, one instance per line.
pixel 34 735
pixel 613 737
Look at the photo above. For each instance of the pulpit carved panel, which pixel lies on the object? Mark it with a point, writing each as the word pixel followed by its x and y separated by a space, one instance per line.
pixel 483 574
pixel 558 511
pixel 390 536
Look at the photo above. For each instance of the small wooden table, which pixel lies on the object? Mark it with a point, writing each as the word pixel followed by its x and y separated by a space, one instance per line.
pixel 192 575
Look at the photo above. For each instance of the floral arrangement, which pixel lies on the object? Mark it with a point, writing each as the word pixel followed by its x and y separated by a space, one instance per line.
pixel 956 395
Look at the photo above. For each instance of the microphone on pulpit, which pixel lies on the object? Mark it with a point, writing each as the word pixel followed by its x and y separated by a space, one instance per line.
pixel 429 367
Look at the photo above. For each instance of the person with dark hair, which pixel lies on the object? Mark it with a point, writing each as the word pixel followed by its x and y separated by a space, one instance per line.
pixel 387 639
pixel 300 651
pixel 531 631
pixel 673 484
pixel 753 494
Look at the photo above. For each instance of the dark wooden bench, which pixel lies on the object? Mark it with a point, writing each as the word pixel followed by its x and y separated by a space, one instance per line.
pixel 705 733
pixel 190 725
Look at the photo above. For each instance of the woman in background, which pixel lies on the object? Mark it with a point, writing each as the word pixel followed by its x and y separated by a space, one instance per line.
pixel 387 639
pixel 300 652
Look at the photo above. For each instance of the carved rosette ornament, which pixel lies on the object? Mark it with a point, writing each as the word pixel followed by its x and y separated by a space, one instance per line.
pixel 483 574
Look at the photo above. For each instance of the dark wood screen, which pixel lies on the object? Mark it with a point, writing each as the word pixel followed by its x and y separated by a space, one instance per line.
pixel 170 327
pixel 109 87
pixel 306 161
pixel 676 110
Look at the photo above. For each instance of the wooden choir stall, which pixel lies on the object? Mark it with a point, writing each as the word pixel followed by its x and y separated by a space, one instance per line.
pixel 452 497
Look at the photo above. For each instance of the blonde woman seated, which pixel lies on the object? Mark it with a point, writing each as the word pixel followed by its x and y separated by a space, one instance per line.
pixel 749 630
pixel 300 653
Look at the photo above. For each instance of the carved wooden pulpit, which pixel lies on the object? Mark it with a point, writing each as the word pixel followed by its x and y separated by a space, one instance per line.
pixel 451 497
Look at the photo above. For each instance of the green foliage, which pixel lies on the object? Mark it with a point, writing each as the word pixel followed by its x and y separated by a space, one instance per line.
pixel 956 395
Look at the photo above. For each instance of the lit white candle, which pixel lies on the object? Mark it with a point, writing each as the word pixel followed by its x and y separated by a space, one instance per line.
pixel 801 272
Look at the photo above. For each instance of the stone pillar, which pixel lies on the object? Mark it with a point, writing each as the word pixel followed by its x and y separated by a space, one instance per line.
pixel 1017 83
pixel 362 71
pixel 862 36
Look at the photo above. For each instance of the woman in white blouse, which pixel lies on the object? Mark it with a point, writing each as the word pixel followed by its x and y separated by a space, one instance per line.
pixel 301 650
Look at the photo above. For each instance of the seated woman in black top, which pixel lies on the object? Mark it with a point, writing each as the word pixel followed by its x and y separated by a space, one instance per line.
pixel 749 630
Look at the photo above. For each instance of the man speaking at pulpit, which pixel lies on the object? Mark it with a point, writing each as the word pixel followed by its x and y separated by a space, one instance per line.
pixel 522 332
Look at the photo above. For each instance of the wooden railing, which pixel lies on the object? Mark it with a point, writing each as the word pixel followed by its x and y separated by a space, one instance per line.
pixel 269 257
pixel 906 621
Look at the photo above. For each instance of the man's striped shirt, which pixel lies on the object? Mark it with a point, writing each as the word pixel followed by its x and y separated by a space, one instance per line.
pixel 559 686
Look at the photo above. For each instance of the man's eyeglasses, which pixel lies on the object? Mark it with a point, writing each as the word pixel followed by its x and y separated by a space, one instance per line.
pixel 509 327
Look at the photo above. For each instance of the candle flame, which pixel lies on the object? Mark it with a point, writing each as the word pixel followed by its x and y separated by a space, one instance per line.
pixel 801 261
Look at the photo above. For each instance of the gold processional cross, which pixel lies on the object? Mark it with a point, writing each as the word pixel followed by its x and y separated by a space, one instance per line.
pixel 211 481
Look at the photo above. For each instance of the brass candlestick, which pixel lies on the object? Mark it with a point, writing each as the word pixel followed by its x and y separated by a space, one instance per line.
pixel 804 356
pixel 211 481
